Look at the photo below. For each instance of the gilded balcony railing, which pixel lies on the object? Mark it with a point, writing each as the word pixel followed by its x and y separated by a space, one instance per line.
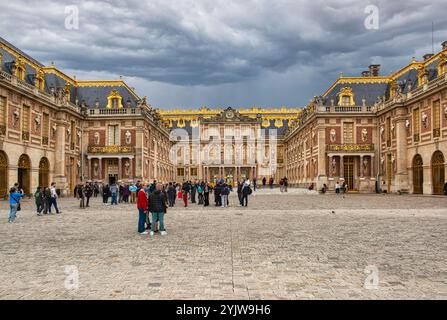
pixel 350 147
pixel 111 150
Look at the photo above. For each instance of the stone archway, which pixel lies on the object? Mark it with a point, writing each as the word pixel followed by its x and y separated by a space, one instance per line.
pixel 418 175
pixel 44 172
pixel 438 172
pixel 24 173
pixel 3 174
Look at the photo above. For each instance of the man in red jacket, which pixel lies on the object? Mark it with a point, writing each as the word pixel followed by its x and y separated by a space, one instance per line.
pixel 142 207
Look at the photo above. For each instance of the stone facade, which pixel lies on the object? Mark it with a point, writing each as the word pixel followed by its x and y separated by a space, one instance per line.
pixel 376 133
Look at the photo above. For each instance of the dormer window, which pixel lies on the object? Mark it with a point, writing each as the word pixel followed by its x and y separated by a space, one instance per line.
pixel 40 80
pixel 345 101
pixel 114 100
pixel 422 76
pixel 442 66
pixel 346 97
pixel 19 69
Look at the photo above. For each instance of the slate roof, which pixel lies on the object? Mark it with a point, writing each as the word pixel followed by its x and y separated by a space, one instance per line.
pixel 100 93
pixel 369 91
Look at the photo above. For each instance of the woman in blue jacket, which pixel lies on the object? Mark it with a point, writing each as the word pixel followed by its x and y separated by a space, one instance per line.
pixel 14 202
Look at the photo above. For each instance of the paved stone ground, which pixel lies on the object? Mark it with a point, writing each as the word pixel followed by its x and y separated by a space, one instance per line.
pixel 283 246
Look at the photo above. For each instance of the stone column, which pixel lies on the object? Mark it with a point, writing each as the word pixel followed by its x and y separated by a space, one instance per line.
pixel 59 166
pixel 372 164
pixel 342 167
pixel 330 166
pixel 89 168
pixel 100 169
pixel 120 169
pixel 139 154
pixel 401 177
pixel 361 167
pixel 321 161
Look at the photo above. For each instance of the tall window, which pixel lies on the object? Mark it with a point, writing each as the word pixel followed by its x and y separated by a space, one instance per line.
pixel 46 125
pixel 45 128
pixel 388 131
pixel 348 132
pixel 346 101
pixel 115 103
pixel 25 122
pixel 73 135
pixel 2 111
pixel 416 124
pixel 436 118
pixel 114 135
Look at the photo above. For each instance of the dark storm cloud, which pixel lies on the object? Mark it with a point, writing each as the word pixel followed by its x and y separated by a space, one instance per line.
pixel 224 46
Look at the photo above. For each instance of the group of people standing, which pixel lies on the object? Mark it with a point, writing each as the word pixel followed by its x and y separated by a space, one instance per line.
pixel 45 199
pixel 199 192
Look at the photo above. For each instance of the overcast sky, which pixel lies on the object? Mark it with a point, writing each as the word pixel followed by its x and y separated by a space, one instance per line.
pixel 223 53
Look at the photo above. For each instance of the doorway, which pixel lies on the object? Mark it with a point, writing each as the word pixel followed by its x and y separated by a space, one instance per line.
pixel 44 173
pixel 418 175
pixel 438 172
pixel 349 172
pixel 24 173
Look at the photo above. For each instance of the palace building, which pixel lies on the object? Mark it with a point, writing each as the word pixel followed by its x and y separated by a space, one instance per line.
pixel 56 128
pixel 371 131
pixel 376 132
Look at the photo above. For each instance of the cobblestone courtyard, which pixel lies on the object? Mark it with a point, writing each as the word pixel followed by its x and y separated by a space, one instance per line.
pixel 281 247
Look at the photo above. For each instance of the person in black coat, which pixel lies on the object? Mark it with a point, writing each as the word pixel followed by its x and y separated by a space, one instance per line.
pixel 246 191
pixel 239 190
pixel 88 191
pixel 193 192
pixel 217 196
pixel 105 193
pixel 157 204
pixel 171 194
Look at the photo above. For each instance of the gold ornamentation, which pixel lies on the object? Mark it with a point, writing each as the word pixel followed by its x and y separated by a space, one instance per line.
pixel 114 95
pixel 111 149
pixel 346 92
pixel 350 147
pixel 24 162
pixel 278 123
pixel 442 65
pixel 19 65
pixel 265 123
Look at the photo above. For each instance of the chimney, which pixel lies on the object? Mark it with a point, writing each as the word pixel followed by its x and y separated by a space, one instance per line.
pixel 428 56
pixel 374 70
pixel 444 45
pixel 366 74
